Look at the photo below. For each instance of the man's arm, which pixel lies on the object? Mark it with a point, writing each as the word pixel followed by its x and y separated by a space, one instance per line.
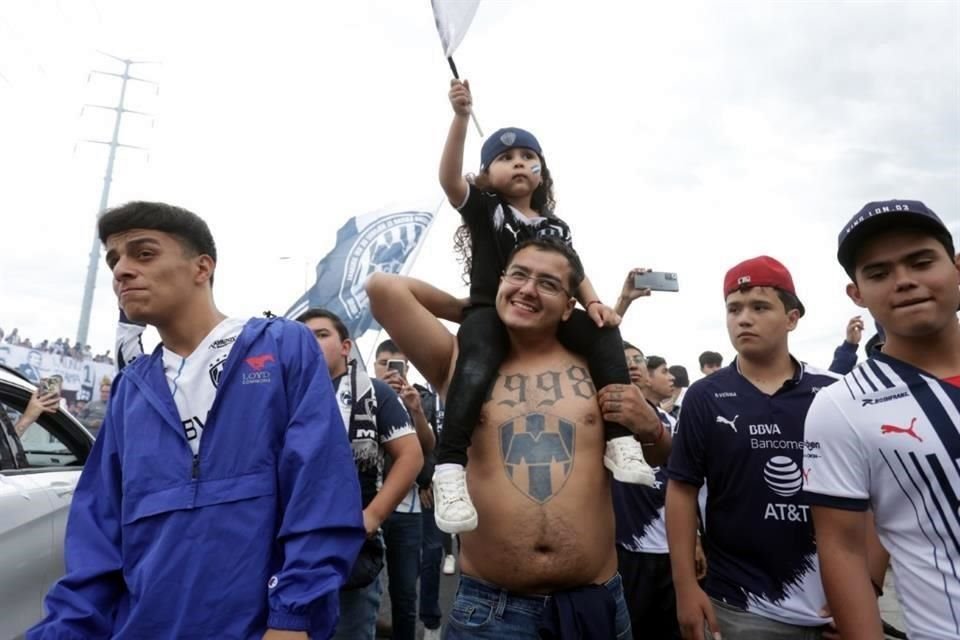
pixel 625 404
pixel 84 602
pixel 402 307
pixel 320 522
pixel 693 604
pixel 841 536
pixel 407 460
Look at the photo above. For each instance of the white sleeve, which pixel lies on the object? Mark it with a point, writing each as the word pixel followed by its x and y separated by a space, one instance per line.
pixel 836 467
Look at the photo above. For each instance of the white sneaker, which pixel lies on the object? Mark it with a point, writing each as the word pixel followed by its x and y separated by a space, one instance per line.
pixel 431 634
pixel 452 507
pixel 449 565
pixel 624 458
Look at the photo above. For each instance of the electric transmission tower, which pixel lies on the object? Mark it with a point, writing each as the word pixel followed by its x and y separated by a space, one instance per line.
pixel 114 144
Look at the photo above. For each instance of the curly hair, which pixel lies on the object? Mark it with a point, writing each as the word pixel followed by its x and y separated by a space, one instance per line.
pixel 542 201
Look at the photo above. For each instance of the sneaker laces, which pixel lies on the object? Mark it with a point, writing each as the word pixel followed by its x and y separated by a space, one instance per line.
pixel 627 452
pixel 453 488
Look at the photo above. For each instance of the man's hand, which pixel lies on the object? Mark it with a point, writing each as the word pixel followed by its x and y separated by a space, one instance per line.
pixel 629 292
pixel 855 330
pixel 693 608
pixel 460 98
pixel 426 497
pixel 411 398
pixel 830 630
pixel 280 634
pixel 393 378
pixel 371 522
pixel 700 561
pixel 37 406
pixel 603 315
pixel 625 404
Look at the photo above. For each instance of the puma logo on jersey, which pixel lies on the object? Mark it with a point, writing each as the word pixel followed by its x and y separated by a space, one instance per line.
pixel 257 363
pixel 730 423
pixel 891 428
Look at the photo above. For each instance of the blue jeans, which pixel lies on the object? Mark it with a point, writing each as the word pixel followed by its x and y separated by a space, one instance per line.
pixel 430 564
pixel 482 610
pixel 358 613
pixel 402 532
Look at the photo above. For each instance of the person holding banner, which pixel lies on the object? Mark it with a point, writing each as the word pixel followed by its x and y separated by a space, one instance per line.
pixel 511 200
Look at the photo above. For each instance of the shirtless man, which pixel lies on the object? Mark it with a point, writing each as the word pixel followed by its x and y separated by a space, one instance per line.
pixel 536 470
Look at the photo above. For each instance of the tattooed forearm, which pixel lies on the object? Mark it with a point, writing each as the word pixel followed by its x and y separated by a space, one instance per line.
pixel 542 389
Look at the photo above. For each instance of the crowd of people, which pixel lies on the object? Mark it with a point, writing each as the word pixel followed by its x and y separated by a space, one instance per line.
pixel 251 480
pixel 59 347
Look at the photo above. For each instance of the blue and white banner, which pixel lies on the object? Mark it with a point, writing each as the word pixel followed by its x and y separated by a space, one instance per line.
pixel 365 244
pixel 81 378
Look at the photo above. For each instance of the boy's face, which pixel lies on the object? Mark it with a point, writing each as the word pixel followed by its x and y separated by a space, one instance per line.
pixel 757 321
pixel 637 365
pixel 153 275
pixel 335 350
pixel 661 382
pixel 515 172
pixel 908 282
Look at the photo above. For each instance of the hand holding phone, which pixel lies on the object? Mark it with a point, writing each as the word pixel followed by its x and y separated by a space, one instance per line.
pixel 51 385
pixel 397 365
pixel 656 281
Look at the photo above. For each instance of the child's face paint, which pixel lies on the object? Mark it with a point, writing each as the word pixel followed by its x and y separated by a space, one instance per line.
pixel 535 169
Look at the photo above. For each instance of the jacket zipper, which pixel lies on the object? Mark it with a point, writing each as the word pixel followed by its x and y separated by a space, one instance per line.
pixel 196 467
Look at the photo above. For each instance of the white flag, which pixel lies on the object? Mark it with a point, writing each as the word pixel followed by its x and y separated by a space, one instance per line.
pixel 453 19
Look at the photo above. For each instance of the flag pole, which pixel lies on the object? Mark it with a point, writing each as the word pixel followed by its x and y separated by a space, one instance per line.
pixel 456 74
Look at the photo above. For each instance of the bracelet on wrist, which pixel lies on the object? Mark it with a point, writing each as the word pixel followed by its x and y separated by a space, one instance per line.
pixel 592 302
pixel 655 440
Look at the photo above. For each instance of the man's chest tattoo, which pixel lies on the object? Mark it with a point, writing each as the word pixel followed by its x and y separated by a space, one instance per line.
pixel 542 389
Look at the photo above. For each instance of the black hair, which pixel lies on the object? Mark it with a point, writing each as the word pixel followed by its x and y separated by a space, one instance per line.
pixel 627 345
pixel 541 200
pixel 334 319
pixel 187 227
pixel 680 377
pixel 712 358
pixel 654 363
pixel 790 301
pixel 547 243
pixel 388 345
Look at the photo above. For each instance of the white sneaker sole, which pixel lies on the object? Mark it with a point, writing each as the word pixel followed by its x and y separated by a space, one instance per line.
pixel 645 477
pixel 455 526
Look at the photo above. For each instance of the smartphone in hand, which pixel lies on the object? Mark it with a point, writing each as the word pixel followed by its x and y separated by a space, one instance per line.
pixel 397 365
pixel 656 281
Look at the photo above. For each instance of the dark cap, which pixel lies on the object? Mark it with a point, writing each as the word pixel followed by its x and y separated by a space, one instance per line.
pixel 762 271
pixel 875 217
pixel 508 138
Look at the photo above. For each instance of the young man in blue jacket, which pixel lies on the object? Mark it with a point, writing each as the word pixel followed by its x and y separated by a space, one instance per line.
pixel 220 499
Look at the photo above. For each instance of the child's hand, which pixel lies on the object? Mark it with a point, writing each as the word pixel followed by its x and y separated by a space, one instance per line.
pixel 460 98
pixel 603 315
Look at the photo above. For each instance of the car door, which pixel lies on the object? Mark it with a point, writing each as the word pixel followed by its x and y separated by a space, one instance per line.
pixel 36 489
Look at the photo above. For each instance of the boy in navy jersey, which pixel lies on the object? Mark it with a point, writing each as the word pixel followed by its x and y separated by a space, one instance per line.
pixel 741 432
pixel 886 437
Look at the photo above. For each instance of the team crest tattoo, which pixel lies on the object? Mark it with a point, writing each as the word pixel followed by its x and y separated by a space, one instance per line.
pixel 537 451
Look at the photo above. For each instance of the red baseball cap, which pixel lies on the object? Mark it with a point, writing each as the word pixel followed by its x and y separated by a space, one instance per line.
pixel 762 271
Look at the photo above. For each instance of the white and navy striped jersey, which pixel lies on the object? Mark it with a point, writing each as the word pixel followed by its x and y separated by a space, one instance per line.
pixel 887 438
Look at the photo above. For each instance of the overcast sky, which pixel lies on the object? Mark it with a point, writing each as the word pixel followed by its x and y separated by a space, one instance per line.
pixel 682 137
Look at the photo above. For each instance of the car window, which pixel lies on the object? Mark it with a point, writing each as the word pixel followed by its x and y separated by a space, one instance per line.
pixel 41 447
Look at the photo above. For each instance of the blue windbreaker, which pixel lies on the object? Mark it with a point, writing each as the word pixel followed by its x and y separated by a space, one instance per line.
pixel 261 530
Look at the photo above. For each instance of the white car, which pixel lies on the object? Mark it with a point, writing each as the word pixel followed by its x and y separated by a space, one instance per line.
pixel 38 475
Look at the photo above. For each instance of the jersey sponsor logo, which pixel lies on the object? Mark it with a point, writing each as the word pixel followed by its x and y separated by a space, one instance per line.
pixel 222 342
pixel 764 430
pixel 881 399
pixel 730 423
pixel 725 394
pixel 537 452
pixel 257 363
pixel 887 429
pixel 784 478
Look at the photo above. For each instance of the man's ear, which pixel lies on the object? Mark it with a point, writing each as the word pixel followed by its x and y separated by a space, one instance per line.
pixel 853 292
pixel 571 305
pixel 205 268
pixel 793 317
pixel 345 347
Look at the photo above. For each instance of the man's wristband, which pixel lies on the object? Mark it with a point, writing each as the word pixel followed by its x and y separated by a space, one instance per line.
pixel 592 302
pixel 655 440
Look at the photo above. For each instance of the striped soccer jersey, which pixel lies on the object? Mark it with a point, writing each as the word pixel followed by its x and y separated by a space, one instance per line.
pixel 887 438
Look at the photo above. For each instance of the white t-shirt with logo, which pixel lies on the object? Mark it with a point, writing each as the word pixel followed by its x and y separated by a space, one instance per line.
pixel 887 438
pixel 194 380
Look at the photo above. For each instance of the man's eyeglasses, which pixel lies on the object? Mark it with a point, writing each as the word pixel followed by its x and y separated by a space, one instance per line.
pixel 546 286
pixel 638 360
